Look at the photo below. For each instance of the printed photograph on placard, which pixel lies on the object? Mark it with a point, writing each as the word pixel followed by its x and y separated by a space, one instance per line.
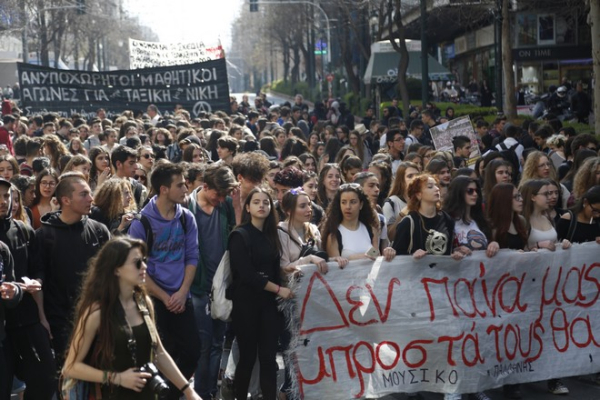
pixel 443 134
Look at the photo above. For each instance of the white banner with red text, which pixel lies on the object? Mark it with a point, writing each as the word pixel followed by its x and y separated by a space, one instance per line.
pixel 439 325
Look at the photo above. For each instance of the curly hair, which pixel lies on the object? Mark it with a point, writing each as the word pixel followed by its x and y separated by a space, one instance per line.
pixel 56 149
pixel 416 186
pixel 109 198
pixel 586 177
pixel 334 216
pixel 289 177
pixel 530 169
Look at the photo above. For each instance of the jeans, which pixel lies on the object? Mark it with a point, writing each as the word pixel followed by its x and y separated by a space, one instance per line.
pixel 212 335
pixel 179 335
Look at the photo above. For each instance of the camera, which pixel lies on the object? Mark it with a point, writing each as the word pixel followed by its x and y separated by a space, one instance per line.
pixel 157 384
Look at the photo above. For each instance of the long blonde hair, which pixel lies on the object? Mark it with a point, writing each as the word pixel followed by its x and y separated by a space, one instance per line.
pixel 109 197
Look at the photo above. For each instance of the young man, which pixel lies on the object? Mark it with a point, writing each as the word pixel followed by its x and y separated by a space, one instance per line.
pixel 462 150
pixel 250 170
pixel 28 336
pixel 172 236
pixel 395 144
pixel 428 122
pixel 226 149
pixel 485 139
pixel 67 240
pixel 124 161
pixel 415 133
pixel 213 208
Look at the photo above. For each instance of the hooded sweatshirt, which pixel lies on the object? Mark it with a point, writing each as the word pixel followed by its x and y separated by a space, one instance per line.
pixel 65 251
pixel 173 246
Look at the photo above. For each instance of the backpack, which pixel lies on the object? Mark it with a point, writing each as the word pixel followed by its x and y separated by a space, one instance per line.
pixel 220 296
pixel 509 154
pixel 148 229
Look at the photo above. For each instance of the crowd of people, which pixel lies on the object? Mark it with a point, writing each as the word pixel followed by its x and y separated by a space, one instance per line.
pixel 112 229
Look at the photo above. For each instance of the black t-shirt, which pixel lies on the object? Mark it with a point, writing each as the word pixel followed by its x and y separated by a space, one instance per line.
pixel 434 235
pixel 583 232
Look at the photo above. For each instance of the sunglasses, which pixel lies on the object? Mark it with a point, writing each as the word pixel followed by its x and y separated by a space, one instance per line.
pixel 471 191
pixel 138 262
pixel 140 177
pixel 148 155
pixel 349 186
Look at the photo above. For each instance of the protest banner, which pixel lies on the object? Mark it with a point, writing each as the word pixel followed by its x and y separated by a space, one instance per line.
pixel 440 325
pixel 197 87
pixel 442 137
pixel 156 54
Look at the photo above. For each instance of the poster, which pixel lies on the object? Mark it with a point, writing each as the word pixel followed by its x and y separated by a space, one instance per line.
pixel 197 87
pixel 439 325
pixel 155 54
pixel 442 137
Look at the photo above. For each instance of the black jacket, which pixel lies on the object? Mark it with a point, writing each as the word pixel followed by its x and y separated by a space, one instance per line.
pixel 64 253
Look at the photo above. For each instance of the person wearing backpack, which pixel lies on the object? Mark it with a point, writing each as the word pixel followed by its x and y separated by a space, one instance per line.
pixel 511 150
pixel 215 212
pixel 172 240
pixel 582 223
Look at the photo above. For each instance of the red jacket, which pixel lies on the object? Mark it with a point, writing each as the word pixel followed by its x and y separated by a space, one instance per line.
pixel 5 139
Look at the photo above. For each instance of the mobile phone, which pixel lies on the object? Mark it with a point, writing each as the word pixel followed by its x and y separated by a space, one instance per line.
pixel 372 252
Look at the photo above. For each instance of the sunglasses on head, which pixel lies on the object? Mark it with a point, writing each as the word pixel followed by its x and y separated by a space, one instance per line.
pixel 138 262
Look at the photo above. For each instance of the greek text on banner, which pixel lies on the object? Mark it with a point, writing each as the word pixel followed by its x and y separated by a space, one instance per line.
pixel 440 325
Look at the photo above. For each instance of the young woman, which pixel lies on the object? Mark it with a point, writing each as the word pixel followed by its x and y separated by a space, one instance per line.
pixel 508 225
pixel 79 163
pixel 542 234
pixel 582 223
pixel 18 210
pixel 194 154
pixel 330 179
pixel 587 176
pixel 555 211
pixel 330 152
pixel 344 152
pixel 370 186
pixel 351 227
pixel 112 339
pixel 319 150
pixel 394 208
pixel 358 145
pixel 76 147
pixel 146 158
pixel 440 169
pixel 255 266
pixel 432 229
pixel 497 171
pixel 350 166
pixel 313 139
pixel 471 229
pixel 309 162
pixel 9 167
pixel 538 166
pixel 45 185
pixel 54 149
pixel 383 172
pixel 310 185
pixel 100 170
pixel 114 205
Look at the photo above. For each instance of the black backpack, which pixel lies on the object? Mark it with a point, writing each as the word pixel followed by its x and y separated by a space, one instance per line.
pixel 148 229
pixel 509 154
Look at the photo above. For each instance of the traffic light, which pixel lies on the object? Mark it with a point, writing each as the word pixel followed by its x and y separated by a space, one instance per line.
pixel 81 7
pixel 253 5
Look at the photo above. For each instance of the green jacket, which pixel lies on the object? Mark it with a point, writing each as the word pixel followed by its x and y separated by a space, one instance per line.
pixel 202 283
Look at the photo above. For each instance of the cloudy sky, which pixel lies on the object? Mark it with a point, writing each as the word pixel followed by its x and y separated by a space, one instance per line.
pixel 187 20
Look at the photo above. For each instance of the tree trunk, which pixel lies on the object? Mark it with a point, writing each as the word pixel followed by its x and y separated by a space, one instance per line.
pixel 395 23
pixel 510 102
pixel 402 86
pixel 44 43
pixel 286 62
pixel 594 21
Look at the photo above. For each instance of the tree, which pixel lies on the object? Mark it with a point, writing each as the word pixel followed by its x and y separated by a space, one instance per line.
pixel 391 12
pixel 594 22
pixel 510 101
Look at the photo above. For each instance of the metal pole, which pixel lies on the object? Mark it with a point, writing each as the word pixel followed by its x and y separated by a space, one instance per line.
pixel 424 56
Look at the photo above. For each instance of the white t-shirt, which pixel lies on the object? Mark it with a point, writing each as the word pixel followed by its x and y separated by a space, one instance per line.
pixel 355 242
pixel 469 235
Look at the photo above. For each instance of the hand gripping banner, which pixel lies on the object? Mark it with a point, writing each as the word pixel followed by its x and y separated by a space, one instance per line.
pixel 444 326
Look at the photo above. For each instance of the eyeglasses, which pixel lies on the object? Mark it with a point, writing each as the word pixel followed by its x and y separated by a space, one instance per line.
pixel 518 197
pixel 138 262
pixel 140 177
pixel 471 191
pixel 594 209
pixel 148 155
pixel 399 140
pixel 50 184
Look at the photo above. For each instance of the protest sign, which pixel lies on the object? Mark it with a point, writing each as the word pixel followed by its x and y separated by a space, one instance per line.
pixel 442 137
pixel 197 87
pixel 155 54
pixel 440 325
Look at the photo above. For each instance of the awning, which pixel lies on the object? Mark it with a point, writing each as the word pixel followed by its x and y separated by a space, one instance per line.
pixel 383 68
